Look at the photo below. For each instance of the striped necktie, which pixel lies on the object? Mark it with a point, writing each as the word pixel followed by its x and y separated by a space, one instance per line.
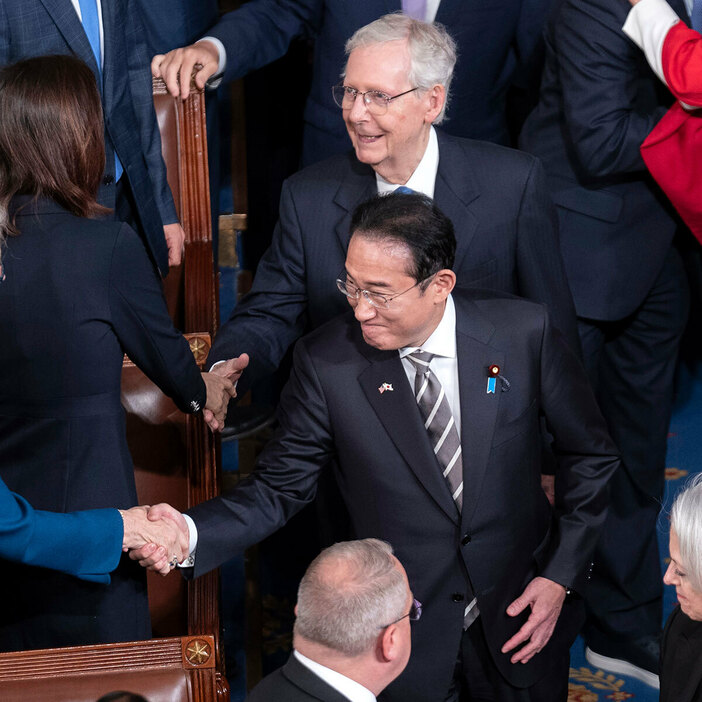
pixel 439 423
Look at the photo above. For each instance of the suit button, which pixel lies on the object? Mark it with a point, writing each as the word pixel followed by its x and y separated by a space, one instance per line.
pixel 108 180
pixel 457 597
pixel 465 540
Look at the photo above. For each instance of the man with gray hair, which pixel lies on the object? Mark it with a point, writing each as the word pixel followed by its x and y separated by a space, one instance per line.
pixel 395 88
pixel 352 628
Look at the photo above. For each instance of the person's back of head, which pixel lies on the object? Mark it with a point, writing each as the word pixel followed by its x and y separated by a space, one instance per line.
pixel 51 135
pixel 353 612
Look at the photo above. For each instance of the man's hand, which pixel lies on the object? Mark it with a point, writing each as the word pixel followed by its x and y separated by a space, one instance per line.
pixel 164 534
pixel 153 556
pixel 231 370
pixel 545 598
pixel 180 62
pixel 175 241
pixel 219 391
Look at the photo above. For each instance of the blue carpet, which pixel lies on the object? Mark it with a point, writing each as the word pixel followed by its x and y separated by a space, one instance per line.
pixel 684 458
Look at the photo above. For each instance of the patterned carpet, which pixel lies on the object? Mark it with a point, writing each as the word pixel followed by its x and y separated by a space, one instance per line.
pixel 684 458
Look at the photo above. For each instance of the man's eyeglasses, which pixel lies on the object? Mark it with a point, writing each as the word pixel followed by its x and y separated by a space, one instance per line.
pixel 375 100
pixel 377 300
pixel 414 614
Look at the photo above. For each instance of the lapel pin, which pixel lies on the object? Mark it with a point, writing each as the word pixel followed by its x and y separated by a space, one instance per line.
pixel 493 372
pixel 384 387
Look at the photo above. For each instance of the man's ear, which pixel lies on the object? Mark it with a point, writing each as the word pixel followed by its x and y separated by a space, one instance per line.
pixel 388 643
pixel 436 97
pixel 443 283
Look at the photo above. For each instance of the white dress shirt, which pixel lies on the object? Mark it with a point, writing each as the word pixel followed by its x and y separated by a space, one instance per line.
pixel 347 687
pixel 424 177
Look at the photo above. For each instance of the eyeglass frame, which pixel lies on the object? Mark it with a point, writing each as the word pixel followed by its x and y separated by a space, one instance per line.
pixel 343 289
pixel 367 101
pixel 414 614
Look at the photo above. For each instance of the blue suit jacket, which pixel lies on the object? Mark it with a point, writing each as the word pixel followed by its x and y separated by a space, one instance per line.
pixel 85 544
pixel 494 39
pixel 37 27
pixel 499 206
pixel 599 100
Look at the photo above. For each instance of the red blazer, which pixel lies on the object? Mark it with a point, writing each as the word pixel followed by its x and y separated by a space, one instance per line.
pixel 673 150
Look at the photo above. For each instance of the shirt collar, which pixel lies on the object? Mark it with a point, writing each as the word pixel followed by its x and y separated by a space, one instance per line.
pixel 442 341
pixel 347 687
pixel 424 177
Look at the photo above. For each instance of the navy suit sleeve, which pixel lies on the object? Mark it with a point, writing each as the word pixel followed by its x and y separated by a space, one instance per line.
pixel 541 271
pixel 272 316
pixel 261 31
pixel 144 328
pixel 139 62
pixel 600 68
pixel 85 544
pixel 285 479
pixel 586 458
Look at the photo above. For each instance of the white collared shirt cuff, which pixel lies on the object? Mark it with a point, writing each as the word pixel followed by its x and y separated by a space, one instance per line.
pixel 216 79
pixel 647 25
pixel 189 562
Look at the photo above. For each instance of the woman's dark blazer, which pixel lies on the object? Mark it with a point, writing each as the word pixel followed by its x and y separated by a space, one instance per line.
pixel 681 659
pixel 78 294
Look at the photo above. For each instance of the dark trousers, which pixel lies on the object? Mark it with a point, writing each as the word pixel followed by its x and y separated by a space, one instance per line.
pixel 631 365
pixel 477 679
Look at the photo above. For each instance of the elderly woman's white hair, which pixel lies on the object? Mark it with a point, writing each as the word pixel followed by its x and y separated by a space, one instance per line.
pixel 432 49
pixel 686 519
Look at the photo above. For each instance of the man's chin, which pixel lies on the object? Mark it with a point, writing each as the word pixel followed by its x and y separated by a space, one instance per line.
pixel 375 340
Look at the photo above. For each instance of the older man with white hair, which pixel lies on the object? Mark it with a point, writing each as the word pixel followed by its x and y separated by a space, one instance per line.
pixel 395 88
pixel 352 631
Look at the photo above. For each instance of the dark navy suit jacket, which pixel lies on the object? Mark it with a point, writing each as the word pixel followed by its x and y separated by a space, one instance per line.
pixel 38 27
pixel 599 100
pixel 332 413
pixel 78 295
pixel 294 683
pixel 494 39
pixel 505 231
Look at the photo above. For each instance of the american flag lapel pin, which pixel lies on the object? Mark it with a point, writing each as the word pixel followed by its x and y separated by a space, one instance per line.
pixel 493 372
pixel 384 387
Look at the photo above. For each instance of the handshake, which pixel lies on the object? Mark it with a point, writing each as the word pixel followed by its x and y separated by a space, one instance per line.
pixel 220 383
pixel 158 537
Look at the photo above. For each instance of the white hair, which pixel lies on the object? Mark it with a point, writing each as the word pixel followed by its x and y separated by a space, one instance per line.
pixel 432 50
pixel 349 593
pixel 686 519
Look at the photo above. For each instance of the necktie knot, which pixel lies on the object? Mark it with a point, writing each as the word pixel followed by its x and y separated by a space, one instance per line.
pixel 420 360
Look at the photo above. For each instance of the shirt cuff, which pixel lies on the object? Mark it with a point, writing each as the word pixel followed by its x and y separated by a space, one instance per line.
pixel 189 562
pixel 216 79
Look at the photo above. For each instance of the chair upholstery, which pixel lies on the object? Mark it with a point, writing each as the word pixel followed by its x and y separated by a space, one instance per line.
pixel 180 669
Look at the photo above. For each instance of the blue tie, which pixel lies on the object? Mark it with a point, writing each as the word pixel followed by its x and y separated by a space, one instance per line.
pixel 404 190
pixel 91 25
pixel 696 16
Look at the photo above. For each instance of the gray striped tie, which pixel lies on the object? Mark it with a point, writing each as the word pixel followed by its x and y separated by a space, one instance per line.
pixel 439 423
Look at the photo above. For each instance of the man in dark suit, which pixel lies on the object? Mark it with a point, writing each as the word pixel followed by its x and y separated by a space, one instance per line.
pixel 109 37
pixel 495 42
pixel 495 197
pixel 483 548
pixel 352 627
pixel 599 100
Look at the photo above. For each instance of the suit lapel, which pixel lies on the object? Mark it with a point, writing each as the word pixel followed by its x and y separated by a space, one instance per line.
pixel 69 25
pixel 478 408
pixel 358 185
pixel 455 189
pixel 110 26
pixel 398 413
